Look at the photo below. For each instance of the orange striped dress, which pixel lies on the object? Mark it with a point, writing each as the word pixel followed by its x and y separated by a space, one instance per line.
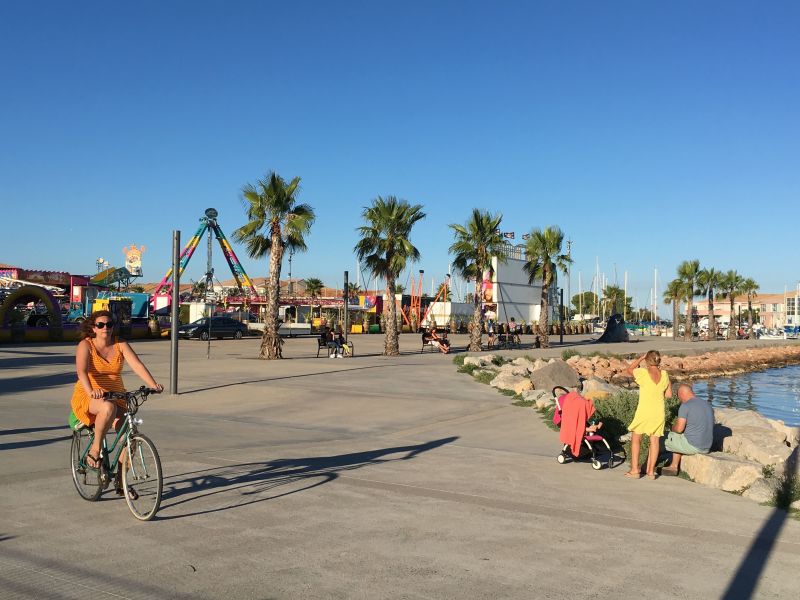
pixel 103 374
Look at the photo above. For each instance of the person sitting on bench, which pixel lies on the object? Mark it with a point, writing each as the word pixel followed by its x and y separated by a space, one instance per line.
pixel 443 344
pixel 334 349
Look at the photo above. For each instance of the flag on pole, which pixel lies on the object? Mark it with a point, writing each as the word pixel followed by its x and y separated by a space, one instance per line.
pixel 526 236
pixel 508 235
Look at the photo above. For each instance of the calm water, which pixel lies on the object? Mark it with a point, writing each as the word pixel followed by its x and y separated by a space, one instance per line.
pixel 774 393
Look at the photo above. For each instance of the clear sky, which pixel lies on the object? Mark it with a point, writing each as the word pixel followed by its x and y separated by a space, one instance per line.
pixel 649 132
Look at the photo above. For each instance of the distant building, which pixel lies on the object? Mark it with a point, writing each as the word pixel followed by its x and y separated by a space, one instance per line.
pixel 773 310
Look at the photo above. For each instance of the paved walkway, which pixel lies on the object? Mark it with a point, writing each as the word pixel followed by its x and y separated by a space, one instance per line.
pixel 358 478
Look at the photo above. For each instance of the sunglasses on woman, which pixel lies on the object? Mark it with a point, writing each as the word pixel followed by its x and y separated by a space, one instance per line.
pixel 103 324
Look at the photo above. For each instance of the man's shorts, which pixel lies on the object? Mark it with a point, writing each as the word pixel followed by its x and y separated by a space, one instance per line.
pixel 676 442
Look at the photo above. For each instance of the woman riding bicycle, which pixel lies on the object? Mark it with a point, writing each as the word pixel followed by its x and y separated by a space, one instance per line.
pixel 99 361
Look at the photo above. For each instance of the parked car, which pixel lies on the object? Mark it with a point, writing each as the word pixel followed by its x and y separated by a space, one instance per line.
pixel 221 327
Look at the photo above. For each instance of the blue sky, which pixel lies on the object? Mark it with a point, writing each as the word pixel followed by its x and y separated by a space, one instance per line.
pixel 650 132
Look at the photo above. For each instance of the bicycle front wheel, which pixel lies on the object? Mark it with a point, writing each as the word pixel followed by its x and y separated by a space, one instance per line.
pixel 142 479
pixel 86 480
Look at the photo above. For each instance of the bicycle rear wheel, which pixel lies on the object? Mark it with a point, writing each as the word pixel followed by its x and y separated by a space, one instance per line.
pixel 86 480
pixel 142 479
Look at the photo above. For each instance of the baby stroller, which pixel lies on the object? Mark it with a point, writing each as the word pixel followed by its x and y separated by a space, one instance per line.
pixel 572 415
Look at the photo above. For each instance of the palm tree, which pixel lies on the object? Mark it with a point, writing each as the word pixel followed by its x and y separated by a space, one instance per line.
pixel 688 271
pixel 730 287
pixel 543 251
pixel 750 287
pixel 313 286
pixel 399 288
pixel 276 222
pixel 447 295
pixel 674 293
pixel 385 249
pixel 708 280
pixel 475 243
pixel 353 290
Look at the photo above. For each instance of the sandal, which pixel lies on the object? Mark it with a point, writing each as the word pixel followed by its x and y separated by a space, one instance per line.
pixel 95 460
pixel 633 474
pixel 131 492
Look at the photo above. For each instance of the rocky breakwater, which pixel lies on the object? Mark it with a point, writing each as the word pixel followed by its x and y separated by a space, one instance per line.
pixel 687 368
pixel 751 455
pixel 533 381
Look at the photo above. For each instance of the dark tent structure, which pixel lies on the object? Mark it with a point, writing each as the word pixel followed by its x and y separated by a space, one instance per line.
pixel 615 331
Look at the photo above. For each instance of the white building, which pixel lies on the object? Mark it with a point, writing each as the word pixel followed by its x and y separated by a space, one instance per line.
pixel 511 294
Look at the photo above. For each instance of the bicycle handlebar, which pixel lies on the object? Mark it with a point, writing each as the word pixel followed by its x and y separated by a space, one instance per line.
pixel 134 399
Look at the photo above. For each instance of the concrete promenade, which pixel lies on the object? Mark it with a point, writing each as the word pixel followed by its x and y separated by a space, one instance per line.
pixel 362 478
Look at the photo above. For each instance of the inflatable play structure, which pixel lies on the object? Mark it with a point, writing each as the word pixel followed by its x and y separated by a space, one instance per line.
pixel 615 331
pixel 13 328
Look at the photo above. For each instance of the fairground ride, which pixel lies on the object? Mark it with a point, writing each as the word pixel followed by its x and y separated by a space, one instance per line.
pixel 208 223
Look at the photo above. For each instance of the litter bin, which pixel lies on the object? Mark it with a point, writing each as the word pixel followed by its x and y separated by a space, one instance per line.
pixel 374 328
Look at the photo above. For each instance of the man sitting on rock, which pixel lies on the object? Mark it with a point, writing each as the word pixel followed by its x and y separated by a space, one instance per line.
pixel 693 429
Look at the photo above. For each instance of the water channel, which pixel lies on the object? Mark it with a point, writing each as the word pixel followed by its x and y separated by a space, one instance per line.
pixel 774 393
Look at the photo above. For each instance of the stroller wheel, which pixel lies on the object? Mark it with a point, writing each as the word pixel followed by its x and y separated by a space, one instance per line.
pixel 596 464
pixel 560 458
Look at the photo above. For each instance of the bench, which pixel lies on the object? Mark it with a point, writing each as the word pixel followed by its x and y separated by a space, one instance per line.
pixel 348 348
pixel 431 343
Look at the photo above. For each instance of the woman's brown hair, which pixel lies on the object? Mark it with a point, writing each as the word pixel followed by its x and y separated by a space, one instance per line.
pixel 87 327
pixel 653 358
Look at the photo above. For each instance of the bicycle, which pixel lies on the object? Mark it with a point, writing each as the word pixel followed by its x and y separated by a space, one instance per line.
pixel 142 478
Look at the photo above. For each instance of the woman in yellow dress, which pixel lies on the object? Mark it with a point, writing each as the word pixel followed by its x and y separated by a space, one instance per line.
pixel 99 361
pixel 654 386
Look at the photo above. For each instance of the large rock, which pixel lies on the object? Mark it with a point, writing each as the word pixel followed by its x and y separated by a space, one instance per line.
pixel 760 491
pixel 524 362
pixel 507 381
pixel 733 418
pixel 763 445
pixel 521 371
pixel 722 471
pixel 554 373
pixel 595 388
pixel 532 395
pixel 545 401
pixel 475 361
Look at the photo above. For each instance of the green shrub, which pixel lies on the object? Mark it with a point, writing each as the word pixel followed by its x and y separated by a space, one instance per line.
pixel 485 376
pixel 524 403
pixel 788 491
pixel 498 361
pixel 467 369
pixel 616 412
pixel 569 353
pixel 458 359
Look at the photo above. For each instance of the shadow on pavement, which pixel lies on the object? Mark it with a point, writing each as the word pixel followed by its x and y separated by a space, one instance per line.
pixel 32 443
pixel 254 479
pixel 744 583
pixel 31 383
pixel 31 429
pixel 41 361
pixel 280 377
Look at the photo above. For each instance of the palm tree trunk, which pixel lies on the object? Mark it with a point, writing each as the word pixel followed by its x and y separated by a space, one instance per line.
pixel 391 345
pixel 675 317
pixel 749 317
pixel 476 335
pixel 731 330
pixel 712 325
pixel 544 318
pixel 271 342
pixel 687 333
